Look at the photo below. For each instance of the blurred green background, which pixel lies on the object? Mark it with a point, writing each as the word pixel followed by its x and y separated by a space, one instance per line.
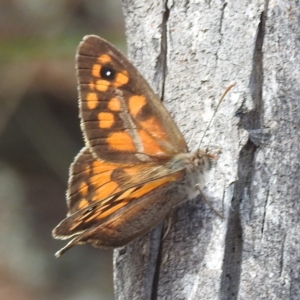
pixel 39 137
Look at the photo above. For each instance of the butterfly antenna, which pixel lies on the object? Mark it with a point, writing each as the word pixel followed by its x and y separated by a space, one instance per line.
pixel 221 99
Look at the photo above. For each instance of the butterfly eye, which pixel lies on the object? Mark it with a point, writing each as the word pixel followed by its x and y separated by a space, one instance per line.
pixel 107 73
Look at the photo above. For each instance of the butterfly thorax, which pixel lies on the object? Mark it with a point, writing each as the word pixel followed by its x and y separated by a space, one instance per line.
pixel 195 164
pixel 196 161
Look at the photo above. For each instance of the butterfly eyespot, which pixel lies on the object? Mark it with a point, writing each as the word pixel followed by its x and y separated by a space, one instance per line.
pixel 107 73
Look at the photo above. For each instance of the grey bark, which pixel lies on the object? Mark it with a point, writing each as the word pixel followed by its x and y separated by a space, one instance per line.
pixel 190 51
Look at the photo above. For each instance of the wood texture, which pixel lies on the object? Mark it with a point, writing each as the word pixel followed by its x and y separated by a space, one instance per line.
pixel 190 51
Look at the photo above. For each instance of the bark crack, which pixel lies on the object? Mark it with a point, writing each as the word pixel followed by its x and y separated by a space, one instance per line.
pixel 254 119
pixel 264 216
pixel 220 29
pixel 232 262
pixel 281 262
pixel 222 17
pixel 161 63
pixel 160 76
pixel 154 294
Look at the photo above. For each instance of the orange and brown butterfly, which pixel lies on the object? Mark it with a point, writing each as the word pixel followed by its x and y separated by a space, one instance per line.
pixel 135 162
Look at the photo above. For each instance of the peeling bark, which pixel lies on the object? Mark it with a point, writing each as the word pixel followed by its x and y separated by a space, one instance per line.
pixel 190 51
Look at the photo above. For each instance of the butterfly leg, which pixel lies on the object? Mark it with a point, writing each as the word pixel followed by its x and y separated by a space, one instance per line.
pixel 208 202
pixel 170 221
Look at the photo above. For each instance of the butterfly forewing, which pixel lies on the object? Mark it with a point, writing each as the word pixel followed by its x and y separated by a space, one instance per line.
pixel 122 119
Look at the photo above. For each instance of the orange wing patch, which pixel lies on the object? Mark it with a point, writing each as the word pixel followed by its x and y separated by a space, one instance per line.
pixel 92 100
pixel 106 119
pixel 121 141
pixel 83 203
pixel 121 78
pixel 96 70
pixel 83 188
pixel 156 130
pixel 107 189
pixel 149 143
pixel 114 104
pixel 92 86
pixel 135 104
pixel 151 129
pixel 104 59
pixel 102 85
pixel 146 188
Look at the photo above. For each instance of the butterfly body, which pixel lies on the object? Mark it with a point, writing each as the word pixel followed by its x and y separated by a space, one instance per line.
pixel 136 166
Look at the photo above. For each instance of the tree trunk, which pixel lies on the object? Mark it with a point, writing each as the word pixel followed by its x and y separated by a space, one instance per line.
pixel 190 51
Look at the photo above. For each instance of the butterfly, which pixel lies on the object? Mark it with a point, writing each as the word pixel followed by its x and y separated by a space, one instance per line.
pixel 135 166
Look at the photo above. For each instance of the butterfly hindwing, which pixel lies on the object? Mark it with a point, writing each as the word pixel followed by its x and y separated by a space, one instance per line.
pixel 93 203
pixel 94 181
pixel 122 119
pixel 93 225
